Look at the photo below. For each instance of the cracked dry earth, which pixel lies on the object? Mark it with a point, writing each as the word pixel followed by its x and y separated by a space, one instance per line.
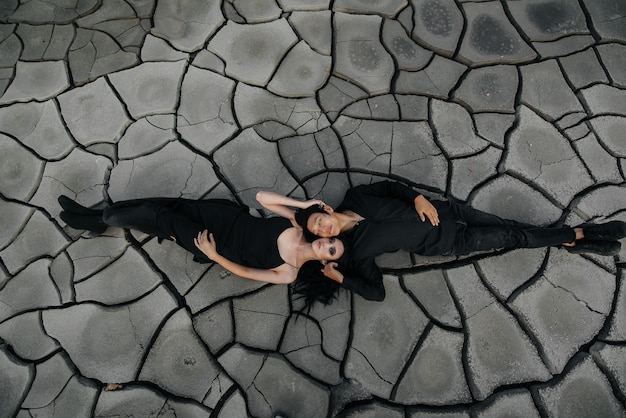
pixel 515 107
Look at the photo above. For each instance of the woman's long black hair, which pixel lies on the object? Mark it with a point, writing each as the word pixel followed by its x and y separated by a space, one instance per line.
pixel 311 284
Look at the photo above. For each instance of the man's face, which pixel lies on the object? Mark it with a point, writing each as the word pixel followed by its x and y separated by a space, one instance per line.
pixel 323 225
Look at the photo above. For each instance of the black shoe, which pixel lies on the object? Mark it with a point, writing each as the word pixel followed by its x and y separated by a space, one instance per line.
pixel 72 206
pixel 609 231
pixel 89 222
pixel 595 247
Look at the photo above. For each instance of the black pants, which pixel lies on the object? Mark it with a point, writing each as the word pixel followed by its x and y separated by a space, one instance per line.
pixel 183 219
pixel 483 231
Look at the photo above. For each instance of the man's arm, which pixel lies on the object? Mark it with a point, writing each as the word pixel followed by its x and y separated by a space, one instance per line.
pixel 388 188
pixel 394 189
pixel 366 280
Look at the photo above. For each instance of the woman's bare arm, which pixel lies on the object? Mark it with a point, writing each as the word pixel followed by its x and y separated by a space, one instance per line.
pixel 281 205
pixel 206 243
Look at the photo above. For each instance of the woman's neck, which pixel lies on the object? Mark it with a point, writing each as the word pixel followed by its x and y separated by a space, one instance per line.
pixel 293 248
pixel 301 251
pixel 304 253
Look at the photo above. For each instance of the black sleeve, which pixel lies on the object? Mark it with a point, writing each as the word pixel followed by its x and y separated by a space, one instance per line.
pixel 366 280
pixel 390 189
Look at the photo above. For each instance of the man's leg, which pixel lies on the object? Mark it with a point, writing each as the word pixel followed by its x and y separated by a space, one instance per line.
pixel 474 217
pixel 483 238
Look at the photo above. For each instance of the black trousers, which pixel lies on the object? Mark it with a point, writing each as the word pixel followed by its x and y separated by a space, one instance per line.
pixel 183 219
pixel 482 231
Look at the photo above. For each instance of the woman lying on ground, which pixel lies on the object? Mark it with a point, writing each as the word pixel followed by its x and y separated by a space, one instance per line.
pixel 271 250
pixel 389 216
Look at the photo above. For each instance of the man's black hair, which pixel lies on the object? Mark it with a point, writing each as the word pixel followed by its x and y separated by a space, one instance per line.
pixel 302 217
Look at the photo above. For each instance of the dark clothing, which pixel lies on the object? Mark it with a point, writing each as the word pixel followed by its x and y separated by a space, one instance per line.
pixel 391 223
pixel 240 237
pixel 483 231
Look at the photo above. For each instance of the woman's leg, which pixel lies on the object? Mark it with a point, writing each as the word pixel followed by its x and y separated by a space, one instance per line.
pixel 79 217
pixel 155 218
pixel 91 223
pixel 72 206
pixel 136 214
pixel 139 214
pixel 180 219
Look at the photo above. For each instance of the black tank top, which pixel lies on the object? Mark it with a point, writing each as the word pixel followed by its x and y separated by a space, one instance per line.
pixel 252 241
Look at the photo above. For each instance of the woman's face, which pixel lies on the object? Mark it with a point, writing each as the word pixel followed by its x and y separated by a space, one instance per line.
pixel 323 225
pixel 327 249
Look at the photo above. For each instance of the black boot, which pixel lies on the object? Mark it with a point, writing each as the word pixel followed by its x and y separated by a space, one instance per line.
pixel 585 245
pixel 89 222
pixel 72 206
pixel 609 231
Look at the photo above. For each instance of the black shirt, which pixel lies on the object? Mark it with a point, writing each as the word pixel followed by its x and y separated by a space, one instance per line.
pixel 391 223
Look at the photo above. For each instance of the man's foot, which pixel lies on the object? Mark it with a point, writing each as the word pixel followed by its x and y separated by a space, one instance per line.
pixel 72 206
pixel 88 222
pixel 609 248
pixel 609 231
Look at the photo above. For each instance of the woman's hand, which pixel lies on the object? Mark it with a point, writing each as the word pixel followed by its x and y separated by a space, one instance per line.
pixel 318 202
pixel 425 209
pixel 311 202
pixel 330 271
pixel 206 243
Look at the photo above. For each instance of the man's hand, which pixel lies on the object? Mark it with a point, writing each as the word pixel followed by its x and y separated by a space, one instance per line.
pixel 425 209
pixel 330 271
